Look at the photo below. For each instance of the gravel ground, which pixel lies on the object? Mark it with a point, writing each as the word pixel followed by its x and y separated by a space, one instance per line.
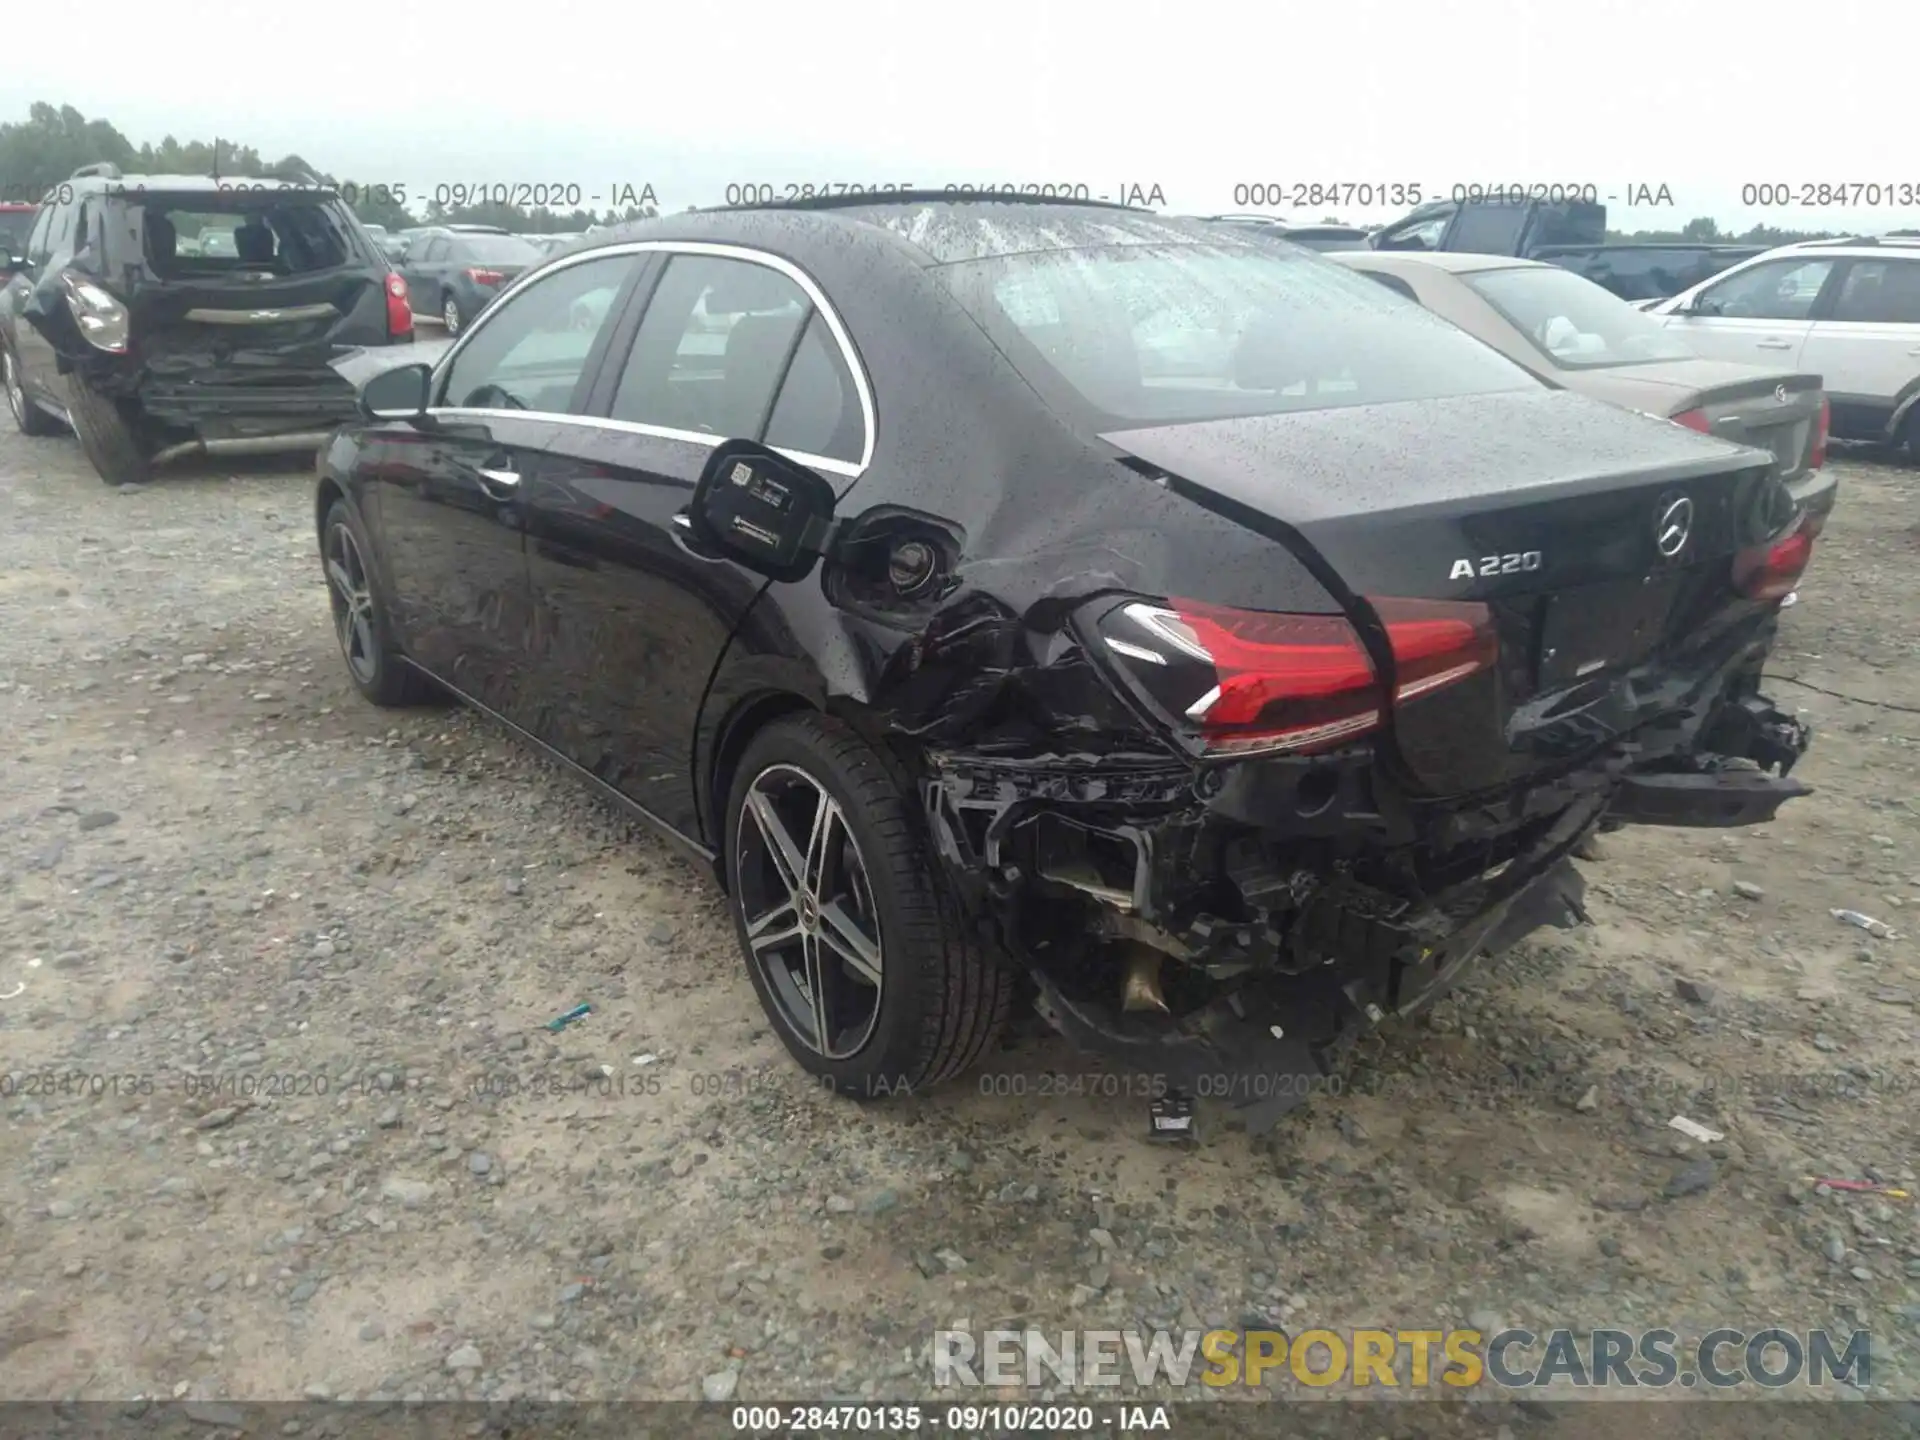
pixel 294 960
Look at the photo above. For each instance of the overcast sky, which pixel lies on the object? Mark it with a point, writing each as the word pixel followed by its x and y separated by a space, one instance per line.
pixel 1705 97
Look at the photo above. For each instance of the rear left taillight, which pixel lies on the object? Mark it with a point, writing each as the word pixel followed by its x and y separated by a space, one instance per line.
pixel 1770 571
pixel 399 308
pixel 485 277
pixel 1695 420
pixel 103 320
pixel 1823 427
pixel 1237 682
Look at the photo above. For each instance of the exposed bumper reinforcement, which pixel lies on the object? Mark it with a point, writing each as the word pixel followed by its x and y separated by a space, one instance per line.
pixel 1717 798
pixel 1274 1043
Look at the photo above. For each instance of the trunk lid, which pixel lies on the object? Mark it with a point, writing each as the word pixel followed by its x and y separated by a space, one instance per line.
pixel 1601 541
pixel 254 325
pixel 1773 410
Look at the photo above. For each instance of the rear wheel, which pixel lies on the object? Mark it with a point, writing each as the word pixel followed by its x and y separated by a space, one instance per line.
pixel 852 937
pixel 108 436
pixel 1913 433
pixel 450 315
pixel 360 617
pixel 29 417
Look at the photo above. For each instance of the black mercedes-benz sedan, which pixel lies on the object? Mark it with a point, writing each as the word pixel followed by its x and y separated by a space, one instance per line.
pixel 1151 621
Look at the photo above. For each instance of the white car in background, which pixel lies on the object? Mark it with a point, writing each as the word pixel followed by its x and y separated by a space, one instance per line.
pixel 1847 310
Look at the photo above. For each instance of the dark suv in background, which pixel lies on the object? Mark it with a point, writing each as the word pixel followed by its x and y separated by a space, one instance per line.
pixel 165 315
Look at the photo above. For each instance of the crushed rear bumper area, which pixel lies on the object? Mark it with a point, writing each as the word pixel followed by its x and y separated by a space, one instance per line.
pixel 218 410
pixel 1287 933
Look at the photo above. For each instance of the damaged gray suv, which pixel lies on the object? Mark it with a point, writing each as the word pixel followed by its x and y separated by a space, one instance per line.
pixel 1037 599
pixel 165 315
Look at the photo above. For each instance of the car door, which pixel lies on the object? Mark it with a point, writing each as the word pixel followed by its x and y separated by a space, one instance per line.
pixel 633 618
pixel 425 270
pixel 38 368
pixel 1867 347
pixel 1761 315
pixel 451 494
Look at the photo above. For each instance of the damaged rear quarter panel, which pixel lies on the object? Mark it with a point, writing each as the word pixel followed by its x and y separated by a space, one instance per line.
pixel 1043 518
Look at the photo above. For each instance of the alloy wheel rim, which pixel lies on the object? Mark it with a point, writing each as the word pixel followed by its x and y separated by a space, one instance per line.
pixel 352 601
pixel 450 313
pixel 806 904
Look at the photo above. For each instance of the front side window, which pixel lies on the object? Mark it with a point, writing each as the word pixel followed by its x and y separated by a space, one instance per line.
pixel 710 353
pixel 530 350
pixel 1119 336
pixel 1777 290
pixel 1883 291
pixel 1573 322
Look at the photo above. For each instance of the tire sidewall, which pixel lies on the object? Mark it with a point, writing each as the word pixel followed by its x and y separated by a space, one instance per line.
pixel 385 665
pixel 891 1058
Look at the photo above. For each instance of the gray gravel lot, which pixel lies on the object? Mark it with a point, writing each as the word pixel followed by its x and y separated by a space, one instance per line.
pixel 289 961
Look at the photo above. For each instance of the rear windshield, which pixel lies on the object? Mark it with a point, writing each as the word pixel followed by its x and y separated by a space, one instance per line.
pixel 1129 335
pixel 248 231
pixel 500 249
pixel 1575 323
pixel 15 226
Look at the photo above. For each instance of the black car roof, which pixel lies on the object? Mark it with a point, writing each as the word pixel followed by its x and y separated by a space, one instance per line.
pixel 936 228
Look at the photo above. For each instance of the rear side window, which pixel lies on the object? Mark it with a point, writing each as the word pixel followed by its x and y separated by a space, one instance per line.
pixel 1887 291
pixel 818 412
pixel 1118 336
pixel 1489 229
pixel 710 353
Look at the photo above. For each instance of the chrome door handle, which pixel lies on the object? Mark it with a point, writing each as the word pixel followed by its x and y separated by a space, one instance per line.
pixel 506 479
pixel 1774 344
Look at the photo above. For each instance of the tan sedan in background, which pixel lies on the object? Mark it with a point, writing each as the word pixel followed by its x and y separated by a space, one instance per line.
pixel 1572 333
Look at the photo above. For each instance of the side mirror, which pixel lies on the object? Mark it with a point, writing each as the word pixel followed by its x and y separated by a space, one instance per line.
pixel 396 394
pixel 760 510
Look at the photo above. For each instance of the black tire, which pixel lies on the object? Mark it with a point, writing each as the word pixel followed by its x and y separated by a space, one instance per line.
pixel 110 440
pixel 1913 434
pixel 943 996
pixel 377 671
pixel 28 417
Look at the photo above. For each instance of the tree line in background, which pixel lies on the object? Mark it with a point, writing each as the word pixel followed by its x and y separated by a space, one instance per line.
pixel 53 142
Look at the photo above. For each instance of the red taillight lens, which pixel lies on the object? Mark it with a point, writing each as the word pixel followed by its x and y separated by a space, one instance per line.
pixel 1695 420
pixel 399 311
pixel 1822 428
pixel 1263 681
pixel 1769 572
pixel 485 277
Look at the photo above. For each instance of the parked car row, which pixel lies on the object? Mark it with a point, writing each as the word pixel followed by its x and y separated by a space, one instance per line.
pixel 1211 644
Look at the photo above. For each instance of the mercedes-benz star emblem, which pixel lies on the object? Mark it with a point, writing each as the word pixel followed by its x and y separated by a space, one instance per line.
pixel 1674 525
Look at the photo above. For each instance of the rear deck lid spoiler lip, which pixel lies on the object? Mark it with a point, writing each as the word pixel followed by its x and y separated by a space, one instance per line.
pixel 206 315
